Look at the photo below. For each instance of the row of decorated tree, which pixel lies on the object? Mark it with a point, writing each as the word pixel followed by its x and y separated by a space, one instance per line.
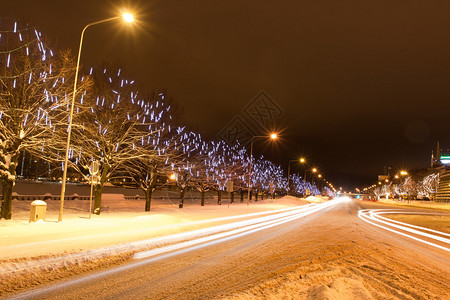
pixel 126 133
pixel 409 188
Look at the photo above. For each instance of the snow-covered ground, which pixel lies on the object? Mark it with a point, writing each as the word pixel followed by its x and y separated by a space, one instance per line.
pixel 121 221
pixel 424 204
pixel 33 253
pixel 122 226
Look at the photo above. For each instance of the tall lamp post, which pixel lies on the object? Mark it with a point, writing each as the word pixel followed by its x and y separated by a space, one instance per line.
pixel 302 161
pixel 127 17
pixel 273 136
pixel 314 171
pixel 320 181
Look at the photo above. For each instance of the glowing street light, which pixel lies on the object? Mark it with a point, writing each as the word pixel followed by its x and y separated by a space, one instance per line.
pixel 301 160
pixel 272 136
pixel 127 17
pixel 403 173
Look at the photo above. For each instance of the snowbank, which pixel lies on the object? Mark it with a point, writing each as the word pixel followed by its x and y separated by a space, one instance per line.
pixel 121 221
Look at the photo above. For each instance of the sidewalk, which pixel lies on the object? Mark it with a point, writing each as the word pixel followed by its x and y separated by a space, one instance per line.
pixel 121 221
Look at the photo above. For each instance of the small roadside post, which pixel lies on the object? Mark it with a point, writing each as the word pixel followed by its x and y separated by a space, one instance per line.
pixel 93 170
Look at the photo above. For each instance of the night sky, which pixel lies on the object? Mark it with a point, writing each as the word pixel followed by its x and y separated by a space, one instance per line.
pixel 360 84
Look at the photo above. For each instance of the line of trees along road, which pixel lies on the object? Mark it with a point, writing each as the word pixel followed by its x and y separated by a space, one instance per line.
pixel 129 134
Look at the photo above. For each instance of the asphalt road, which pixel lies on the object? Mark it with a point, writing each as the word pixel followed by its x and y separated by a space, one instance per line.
pixel 318 252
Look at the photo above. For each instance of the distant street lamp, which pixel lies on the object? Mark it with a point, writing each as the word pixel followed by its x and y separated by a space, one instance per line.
pixel 301 160
pixel 273 136
pixel 173 177
pixel 127 17
pixel 313 170
pixel 320 182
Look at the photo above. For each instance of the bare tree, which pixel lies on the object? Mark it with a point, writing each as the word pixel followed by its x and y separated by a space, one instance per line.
pixel 230 165
pixel 203 179
pixel 161 149
pixel 33 100
pixel 429 185
pixel 113 126
pixel 187 161
pixel 267 175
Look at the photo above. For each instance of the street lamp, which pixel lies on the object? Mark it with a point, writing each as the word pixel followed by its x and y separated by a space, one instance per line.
pixel 302 161
pixel 127 17
pixel 313 170
pixel 273 136
pixel 320 182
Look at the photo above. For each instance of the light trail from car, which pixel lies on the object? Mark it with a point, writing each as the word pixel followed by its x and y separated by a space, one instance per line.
pixel 249 226
pixel 371 216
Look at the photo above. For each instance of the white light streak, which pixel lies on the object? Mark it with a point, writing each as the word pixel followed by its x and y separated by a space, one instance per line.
pixel 371 217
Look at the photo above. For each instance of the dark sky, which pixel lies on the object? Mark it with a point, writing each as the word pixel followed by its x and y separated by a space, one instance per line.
pixel 363 84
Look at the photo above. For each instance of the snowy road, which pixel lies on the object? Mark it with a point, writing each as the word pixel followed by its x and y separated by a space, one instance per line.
pixel 314 251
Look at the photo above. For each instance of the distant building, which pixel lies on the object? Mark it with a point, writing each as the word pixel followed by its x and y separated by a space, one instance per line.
pixel 442 157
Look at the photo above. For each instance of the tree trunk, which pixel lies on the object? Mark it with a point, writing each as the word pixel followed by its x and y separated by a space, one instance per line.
pixel 219 197
pixel 256 196
pixel 242 196
pixel 98 189
pixel 181 199
pixel 148 199
pixel 232 197
pixel 203 198
pixel 8 186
